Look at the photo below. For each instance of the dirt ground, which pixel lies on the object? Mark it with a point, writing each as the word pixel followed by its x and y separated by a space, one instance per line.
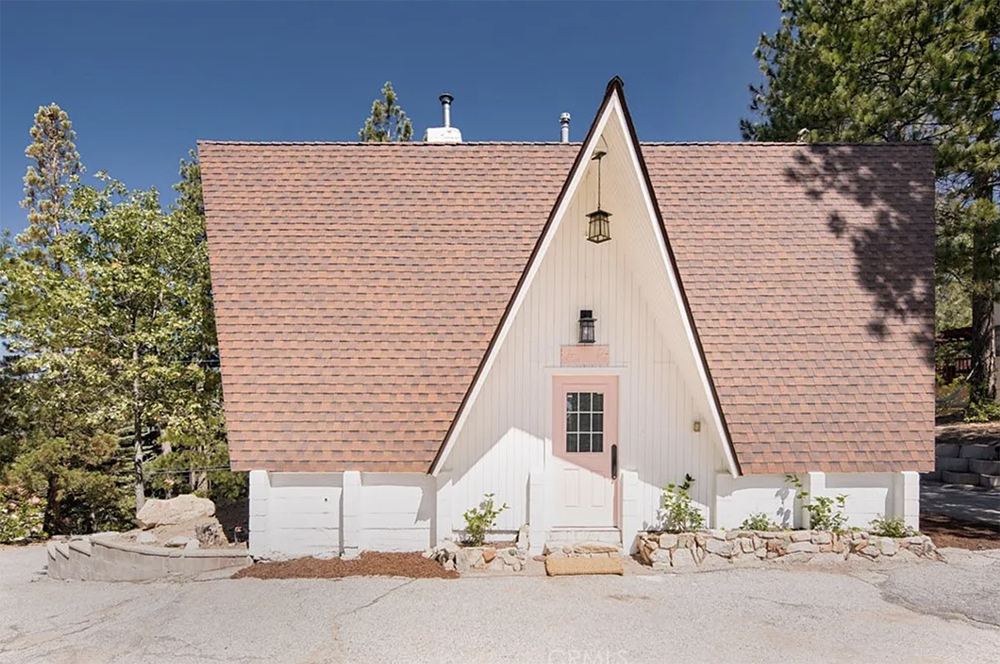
pixel 962 433
pixel 369 563
pixel 950 532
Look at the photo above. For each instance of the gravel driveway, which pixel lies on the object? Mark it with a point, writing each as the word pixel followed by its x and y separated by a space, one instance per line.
pixel 923 612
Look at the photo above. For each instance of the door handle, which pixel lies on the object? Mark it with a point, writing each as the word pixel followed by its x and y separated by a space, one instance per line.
pixel 614 462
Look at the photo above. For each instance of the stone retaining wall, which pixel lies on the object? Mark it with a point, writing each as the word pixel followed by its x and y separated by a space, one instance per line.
pixel 715 547
pixel 106 558
pixel 482 558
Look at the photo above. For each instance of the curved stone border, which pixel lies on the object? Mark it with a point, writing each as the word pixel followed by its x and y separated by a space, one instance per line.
pixel 105 558
pixel 712 547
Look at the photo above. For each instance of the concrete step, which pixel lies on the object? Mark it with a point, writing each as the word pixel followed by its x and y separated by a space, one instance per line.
pixel 952 464
pixel 990 481
pixel 949 477
pixel 81 547
pixel 946 450
pixel 560 566
pixel 577 535
pixel 54 565
pixel 984 467
pixel 988 452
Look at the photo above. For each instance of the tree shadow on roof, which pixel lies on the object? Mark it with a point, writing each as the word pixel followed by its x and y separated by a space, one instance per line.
pixel 881 200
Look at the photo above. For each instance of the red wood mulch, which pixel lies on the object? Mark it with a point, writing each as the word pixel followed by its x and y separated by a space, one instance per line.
pixel 369 563
pixel 945 532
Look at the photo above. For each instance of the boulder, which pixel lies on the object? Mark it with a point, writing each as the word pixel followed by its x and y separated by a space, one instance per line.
pixel 803 547
pixel 801 535
pixel 156 512
pixel 668 541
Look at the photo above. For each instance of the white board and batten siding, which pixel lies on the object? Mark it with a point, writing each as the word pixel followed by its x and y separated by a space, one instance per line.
pixel 508 431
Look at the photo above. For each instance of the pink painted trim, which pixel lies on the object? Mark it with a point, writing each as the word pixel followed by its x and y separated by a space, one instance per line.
pixel 585 356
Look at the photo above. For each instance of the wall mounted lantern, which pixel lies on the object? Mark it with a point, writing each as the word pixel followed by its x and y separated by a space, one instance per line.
pixel 587 321
pixel 599 224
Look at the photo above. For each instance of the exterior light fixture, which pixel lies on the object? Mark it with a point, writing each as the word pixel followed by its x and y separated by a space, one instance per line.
pixel 599 224
pixel 587 321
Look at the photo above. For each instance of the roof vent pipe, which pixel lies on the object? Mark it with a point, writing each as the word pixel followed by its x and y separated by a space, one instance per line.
pixel 564 128
pixel 447 133
pixel 446 100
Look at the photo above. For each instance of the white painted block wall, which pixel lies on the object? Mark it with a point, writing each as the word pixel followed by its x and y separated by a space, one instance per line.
pixel 869 496
pixel 328 514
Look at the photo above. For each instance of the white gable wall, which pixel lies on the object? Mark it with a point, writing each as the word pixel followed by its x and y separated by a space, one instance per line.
pixel 508 431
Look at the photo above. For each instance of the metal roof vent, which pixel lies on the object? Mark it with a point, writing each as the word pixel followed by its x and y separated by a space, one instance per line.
pixel 447 133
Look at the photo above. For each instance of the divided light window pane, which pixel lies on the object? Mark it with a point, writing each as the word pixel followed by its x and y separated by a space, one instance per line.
pixel 584 422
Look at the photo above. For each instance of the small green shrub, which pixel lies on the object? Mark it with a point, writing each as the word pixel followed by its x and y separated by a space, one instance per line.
pixel 21 516
pixel 479 521
pixel 825 513
pixel 884 527
pixel 678 513
pixel 982 411
pixel 759 521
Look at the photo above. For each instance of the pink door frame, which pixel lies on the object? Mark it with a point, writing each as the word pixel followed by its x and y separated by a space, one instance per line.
pixel 599 463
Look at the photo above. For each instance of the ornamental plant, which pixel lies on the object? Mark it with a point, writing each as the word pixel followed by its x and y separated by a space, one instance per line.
pixel 891 527
pixel 480 520
pixel 21 516
pixel 825 513
pixel 678 512
pixel 759 521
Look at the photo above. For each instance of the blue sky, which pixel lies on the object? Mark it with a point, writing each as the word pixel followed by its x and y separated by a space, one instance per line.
pixel 143 81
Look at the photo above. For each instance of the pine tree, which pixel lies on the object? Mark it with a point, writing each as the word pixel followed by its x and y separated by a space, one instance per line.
pixel 387 122
pixel 50 181
pixel 904 70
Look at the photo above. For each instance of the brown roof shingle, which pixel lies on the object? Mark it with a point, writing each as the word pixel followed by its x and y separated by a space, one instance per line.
pixel 357 288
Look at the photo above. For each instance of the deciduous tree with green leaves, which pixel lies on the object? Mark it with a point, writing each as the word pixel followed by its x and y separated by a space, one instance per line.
pixel 388 121
pixel 112 349
pixel 904 70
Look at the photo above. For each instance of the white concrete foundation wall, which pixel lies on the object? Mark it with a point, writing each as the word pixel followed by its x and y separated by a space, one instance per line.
pixel 307 514
pixel 869 496
pixel 397 510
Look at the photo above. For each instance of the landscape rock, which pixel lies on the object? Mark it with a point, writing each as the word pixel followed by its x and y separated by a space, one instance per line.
pixel 803 547
pixel 178 542
pixel 719 547
pixel 822 538
pixel 172 511
pixel 210 533
pixel 801 535
pixel 888 546
pixel 668 541
pixel 489 553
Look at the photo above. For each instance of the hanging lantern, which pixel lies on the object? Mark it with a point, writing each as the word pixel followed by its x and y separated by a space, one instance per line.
pixel 599 224
pixel 587 320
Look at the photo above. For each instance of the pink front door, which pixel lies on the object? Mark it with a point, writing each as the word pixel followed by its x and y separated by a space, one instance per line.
pixel 584 441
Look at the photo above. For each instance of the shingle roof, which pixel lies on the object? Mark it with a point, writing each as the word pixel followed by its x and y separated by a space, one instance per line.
pixel 357 288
